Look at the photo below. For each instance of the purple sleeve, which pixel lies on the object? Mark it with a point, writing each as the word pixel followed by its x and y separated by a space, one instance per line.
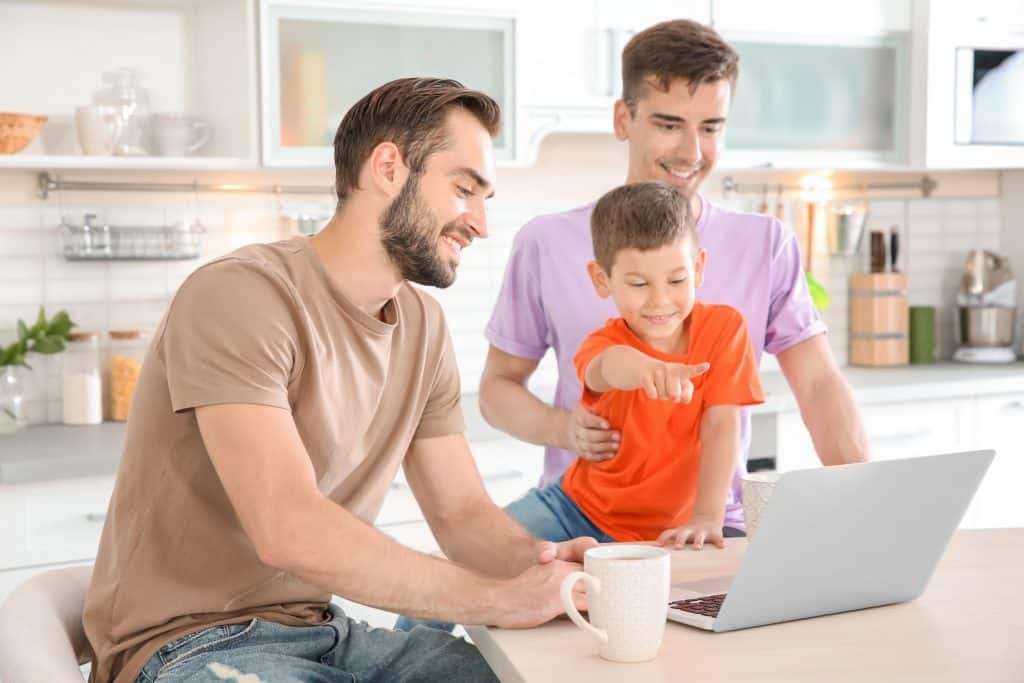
pixel 519 325
pixel 792 317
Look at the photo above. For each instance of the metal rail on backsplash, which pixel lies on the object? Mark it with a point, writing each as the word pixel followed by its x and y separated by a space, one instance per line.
pixel 926 185
pixel 48 182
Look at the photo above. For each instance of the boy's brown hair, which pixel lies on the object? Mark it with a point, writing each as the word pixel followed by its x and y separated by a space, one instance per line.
pixel 678 49
pixel 639 216
pixel 409 112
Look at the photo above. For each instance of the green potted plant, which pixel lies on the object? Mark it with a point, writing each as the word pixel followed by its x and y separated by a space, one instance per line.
pixel 44 336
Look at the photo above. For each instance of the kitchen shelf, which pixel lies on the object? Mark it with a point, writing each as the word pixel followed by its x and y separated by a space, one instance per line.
pixel 82 162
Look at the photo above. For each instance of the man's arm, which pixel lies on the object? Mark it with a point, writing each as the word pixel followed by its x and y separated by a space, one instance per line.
pixel 826 401
pixel 266 472
pixel 507 403
pixel 469 527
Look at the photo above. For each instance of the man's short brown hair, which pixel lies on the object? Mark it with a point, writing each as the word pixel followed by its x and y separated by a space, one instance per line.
pixel 640 216
pixel 678 49
pixel 409 112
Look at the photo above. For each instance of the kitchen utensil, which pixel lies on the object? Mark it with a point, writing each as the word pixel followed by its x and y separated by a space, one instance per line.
pixel 922 334
pixel 844 227
pixel 986 270
pixel 131 104
pixel 878 329
pixel 985 326
pixel 98 128
pixel 18 130
pixel 894 249
pixel 627 597
pixel 178 135
pixel 877 251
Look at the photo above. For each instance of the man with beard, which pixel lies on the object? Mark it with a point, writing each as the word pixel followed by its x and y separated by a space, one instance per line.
pixel 677 84
pixel 284 387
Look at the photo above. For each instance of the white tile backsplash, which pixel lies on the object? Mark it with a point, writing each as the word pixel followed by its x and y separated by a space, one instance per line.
pixel 936 235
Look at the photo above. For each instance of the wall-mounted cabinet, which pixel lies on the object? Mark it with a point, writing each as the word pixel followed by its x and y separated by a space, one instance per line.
pixel 195 60
pixel 319 58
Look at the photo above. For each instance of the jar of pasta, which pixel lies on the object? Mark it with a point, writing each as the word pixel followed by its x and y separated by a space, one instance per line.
pixel 127 349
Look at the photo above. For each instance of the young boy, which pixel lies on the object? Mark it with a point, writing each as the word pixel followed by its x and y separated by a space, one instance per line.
pixel 670 375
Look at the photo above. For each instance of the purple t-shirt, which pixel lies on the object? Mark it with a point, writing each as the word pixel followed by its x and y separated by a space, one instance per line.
pixel 547 301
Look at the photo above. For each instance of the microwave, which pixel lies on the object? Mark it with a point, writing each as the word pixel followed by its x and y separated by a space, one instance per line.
pixel 989 96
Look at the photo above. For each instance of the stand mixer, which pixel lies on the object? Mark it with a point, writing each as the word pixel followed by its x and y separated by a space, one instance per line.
pixel 987 310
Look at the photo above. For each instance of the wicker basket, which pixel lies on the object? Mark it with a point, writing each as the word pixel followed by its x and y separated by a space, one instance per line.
pixel 18 130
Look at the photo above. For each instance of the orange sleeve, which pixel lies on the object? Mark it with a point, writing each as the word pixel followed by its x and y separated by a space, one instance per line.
pixel 733 378
pixel 591 347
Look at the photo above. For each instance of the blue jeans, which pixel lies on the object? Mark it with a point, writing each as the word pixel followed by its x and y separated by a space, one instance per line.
pixel 546 513
pixel 341 650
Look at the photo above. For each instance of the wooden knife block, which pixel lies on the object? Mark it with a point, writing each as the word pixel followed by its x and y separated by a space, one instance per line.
pixel 879 319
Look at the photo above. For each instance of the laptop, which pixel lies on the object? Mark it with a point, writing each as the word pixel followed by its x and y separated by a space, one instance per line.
pixel 834 539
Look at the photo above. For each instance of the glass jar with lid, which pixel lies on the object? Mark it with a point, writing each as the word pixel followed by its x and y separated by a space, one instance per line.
pixel 127 349
pixel 82 389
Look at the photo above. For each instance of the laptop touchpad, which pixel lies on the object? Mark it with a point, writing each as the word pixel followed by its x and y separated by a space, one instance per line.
pixel 710 585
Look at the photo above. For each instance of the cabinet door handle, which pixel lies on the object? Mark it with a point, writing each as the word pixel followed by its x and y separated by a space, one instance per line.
pixel 95 516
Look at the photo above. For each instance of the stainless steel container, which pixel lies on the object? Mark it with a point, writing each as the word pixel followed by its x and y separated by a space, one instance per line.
pixel 986 326
pixel 844 227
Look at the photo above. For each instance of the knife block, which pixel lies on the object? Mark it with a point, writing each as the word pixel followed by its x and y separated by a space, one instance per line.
pixel 879 320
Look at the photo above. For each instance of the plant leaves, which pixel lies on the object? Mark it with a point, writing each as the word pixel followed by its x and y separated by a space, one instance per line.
pixel 22 331
pixel 60 325
pixel 49 344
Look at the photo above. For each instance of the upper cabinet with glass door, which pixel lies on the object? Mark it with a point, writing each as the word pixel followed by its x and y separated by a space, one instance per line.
pixel 819 85
pixel 319 58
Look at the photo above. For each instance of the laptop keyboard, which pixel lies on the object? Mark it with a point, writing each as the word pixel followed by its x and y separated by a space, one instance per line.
pixel 707 606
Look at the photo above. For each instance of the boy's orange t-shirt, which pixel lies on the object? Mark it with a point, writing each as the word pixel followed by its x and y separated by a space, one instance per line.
pixel 650 485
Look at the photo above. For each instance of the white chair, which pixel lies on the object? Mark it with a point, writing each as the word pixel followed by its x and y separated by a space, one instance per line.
pixel 41 636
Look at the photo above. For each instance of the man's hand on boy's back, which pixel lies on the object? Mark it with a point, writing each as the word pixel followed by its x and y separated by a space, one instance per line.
pixel 699 530
pixel 589 436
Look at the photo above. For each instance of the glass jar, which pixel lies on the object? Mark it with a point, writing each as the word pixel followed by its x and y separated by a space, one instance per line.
pixel 82 397
pixel 12 400
pixel 127 349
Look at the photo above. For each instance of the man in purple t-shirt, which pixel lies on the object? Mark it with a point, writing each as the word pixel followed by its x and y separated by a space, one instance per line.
pixel 678 79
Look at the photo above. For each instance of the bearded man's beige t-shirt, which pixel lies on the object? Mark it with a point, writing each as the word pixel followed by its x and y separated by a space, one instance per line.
pixel 263 325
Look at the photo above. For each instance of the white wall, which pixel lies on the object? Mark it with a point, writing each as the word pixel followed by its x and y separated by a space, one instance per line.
pixel 571 170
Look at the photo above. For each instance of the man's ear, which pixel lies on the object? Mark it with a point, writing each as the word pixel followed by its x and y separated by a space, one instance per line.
pixel 620 118
pixel 600 279
pixel 385 170
pixel 699 262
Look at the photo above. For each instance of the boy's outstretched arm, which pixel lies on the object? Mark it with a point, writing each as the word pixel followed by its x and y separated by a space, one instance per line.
pixel 720 444
pixel 625 368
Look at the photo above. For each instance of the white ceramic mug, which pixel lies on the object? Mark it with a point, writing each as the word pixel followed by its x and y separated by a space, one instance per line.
pixel 98 128
pixel 627 597
pixel 178 135
pixel 757 488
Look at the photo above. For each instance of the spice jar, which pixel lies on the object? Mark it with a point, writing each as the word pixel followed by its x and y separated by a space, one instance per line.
pixel 82 395
pixel 127 349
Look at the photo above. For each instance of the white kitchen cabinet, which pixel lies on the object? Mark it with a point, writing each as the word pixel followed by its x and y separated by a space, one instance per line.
pixel 944 34
pixel 818 101
pixel 810 17
pixel 196 58
pixel 998 501
pixel 319 58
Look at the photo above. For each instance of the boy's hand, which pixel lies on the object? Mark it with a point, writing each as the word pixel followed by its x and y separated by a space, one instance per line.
pixel 698 530
pixel 670 381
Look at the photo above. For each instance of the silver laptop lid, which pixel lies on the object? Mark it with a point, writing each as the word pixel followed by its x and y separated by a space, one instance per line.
pixel 839 538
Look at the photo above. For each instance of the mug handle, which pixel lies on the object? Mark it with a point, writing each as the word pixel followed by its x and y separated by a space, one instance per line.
pixel 203 131
pixel 593 587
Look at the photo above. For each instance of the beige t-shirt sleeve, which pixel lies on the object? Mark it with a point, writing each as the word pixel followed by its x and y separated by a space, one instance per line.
pixel 442 414
pixel 230 337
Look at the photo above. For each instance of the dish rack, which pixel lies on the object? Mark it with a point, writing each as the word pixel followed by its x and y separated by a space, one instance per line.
pixel 100 242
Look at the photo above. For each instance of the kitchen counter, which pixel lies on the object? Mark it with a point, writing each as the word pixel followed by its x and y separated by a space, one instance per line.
pixel 907 383
pixel 47 452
